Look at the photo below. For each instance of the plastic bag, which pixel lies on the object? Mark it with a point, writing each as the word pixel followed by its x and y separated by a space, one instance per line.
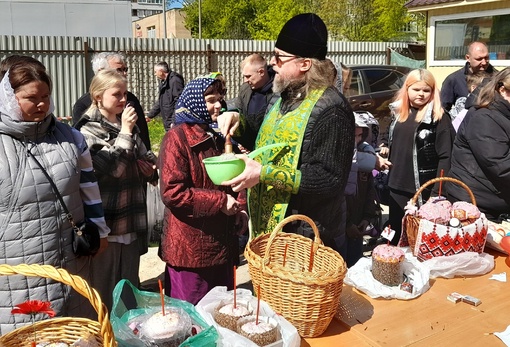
pixel 461 264
pixel 155 212
pixel 228 338
pixel 129 303
pixel 360 277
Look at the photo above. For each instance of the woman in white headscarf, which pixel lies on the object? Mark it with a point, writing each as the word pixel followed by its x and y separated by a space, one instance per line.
pixel 33 225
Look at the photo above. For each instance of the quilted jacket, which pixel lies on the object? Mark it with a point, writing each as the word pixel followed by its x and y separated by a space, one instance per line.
pixel 196 233
pixel 33 227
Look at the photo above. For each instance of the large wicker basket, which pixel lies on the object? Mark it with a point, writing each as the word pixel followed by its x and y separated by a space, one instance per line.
pixel 412 223
pixel 307 289
pixel 62 329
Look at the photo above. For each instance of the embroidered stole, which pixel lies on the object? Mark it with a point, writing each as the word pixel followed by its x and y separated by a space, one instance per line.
pixel 268 200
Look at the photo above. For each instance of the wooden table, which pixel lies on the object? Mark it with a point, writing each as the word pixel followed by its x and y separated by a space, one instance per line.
pixel 429 320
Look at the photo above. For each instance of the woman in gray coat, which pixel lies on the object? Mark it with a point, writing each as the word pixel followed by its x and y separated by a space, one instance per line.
pixel 33 226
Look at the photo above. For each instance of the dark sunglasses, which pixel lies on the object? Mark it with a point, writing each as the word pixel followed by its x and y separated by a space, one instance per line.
pixel 277 57
pixel 122 69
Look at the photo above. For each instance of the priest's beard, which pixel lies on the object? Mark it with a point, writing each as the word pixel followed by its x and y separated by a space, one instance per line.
pixel 290 87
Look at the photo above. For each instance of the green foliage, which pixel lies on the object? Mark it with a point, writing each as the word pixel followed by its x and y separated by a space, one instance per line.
pixel 352 20
pixel 156 133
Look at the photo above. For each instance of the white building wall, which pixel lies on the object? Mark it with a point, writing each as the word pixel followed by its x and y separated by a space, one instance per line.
pixel 100 18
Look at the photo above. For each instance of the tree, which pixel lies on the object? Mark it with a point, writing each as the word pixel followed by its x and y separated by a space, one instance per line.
pixel 352 20
pixel 270 16
pixel 390 17
pixel 220 18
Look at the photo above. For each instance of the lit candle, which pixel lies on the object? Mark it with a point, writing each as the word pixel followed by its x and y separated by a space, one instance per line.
pixel 285 253
pixel 441 182
pixel 258 306
pixel 162 295
pixel 310 266
pixel 235 284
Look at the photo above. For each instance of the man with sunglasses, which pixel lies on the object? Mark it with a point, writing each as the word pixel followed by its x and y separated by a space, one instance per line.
pixel 115 61
pixel 317 124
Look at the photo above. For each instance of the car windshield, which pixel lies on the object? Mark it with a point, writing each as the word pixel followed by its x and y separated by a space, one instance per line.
pixel 382 80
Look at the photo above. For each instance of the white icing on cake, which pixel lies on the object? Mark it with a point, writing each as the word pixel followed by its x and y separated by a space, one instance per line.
pixel 388 253
pixel 162 327
pixel 238 311
pixel 253 328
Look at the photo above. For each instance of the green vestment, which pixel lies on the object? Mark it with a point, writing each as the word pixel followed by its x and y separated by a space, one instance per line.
pixel 279 179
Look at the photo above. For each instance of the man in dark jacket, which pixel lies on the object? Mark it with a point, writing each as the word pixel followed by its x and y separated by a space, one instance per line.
pixel 115 61
pixel 255 94
pixel 455 86
pixel 170 88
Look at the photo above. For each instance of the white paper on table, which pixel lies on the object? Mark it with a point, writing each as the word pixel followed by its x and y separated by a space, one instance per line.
pixel 206 306
pixel 499 277
pixel 504 336
pixel 360 277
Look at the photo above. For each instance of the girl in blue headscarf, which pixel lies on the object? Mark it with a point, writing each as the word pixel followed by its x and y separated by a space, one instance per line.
pixel 199 242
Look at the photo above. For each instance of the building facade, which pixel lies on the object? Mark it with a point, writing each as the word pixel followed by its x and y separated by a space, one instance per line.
pixel 154 26
pixel 453 24
pixel 104 18
pixel 144 8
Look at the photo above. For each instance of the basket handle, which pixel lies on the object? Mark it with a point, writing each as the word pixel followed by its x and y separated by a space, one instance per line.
pixel 439 179
pixel 279 227
pixel 76 282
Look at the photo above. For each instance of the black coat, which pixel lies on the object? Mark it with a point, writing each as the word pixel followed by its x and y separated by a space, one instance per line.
pixel 455 86
pixel 254 105
pixel 481 158
pixel 169 91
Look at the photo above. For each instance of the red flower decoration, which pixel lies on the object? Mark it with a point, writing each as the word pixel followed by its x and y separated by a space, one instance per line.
pixel 33 307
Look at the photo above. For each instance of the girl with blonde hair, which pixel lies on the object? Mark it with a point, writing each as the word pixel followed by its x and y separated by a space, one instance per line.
pixel 419 142
pixel 123 166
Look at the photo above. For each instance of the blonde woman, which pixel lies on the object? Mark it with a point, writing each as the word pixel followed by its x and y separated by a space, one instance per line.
pixel 116 148
pixel 419 142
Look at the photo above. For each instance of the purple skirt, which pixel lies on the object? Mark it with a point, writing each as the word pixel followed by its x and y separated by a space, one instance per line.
pixel 192 284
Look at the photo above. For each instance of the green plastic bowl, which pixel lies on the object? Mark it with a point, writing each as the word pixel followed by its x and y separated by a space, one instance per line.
pixel 220 170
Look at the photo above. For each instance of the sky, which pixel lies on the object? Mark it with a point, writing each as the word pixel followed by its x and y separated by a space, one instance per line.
pixel 174 4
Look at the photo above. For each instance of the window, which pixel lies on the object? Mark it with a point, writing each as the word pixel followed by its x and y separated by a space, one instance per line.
pixel 382 80
pixel 150 1
pixel 453 33
pixel 151 32
pixel 356 87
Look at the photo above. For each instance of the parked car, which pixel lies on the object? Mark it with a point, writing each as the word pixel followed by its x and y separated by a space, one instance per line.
pixel 372 88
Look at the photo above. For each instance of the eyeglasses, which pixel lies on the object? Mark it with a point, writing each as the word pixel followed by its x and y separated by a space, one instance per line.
pixel 277 57
pixel 122 69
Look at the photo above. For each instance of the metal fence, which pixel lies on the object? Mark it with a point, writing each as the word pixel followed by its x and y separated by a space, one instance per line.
pixel 68 60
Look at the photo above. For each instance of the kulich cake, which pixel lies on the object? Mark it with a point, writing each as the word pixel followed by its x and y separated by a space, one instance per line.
pixel 436 211
pixel 466 212
pixel 169 330
pixel 227 315
pixel 387 264
pixel 263 333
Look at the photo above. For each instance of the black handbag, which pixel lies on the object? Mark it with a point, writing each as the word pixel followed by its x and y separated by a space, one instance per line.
pixel 86 239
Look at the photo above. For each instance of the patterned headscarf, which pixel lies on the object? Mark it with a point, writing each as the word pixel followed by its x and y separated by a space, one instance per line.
pixel 191 106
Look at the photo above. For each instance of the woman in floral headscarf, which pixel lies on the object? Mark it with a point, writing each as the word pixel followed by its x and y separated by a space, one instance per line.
pixel 199 241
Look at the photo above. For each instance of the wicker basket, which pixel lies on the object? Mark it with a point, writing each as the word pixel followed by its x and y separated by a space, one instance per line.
pixel 307 295
pixel 411 223
pixel 62 329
